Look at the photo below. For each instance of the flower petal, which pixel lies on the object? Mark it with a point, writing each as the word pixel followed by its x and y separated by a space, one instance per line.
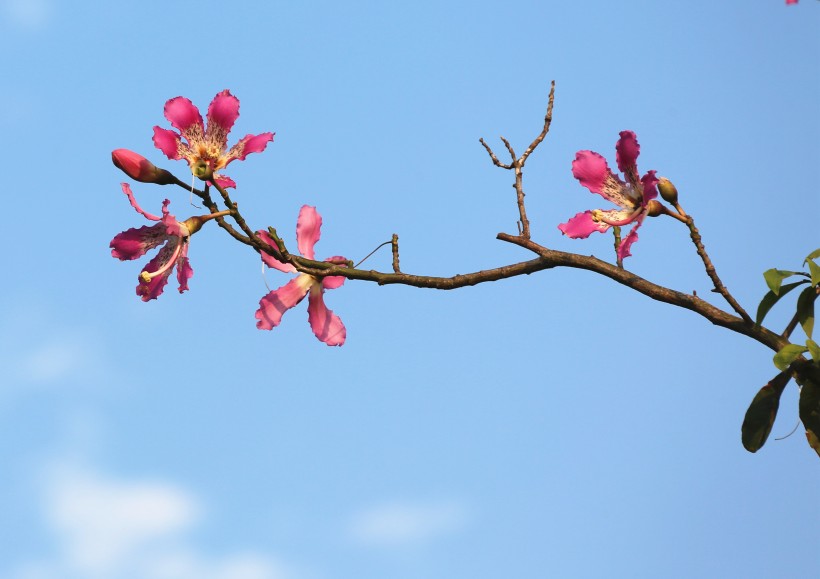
pixel 277 302
pixel 152 289
pixel 627 150
pixel 182 114
pixel 591 170
pixel 224 181
pixel 582 225
pixel 308 230
pixel 326 325
pixel 334 281
pixel 134 243
pixel 184 269
pixel 271 261
pixel 168 142
pixel 650 189
pixel 626 243
pixel 247 145
pixel 222 114
pixel 126 188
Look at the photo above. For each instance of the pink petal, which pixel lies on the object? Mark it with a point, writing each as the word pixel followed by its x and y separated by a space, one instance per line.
pixel 650 189
pixel 582 225
pixel 184 270
pixel 326 325
pixel 271 261
pixel 591 170
pixel 224 182
pixel 151 290
pixel 168 142
pixel 126 188
pixel 334 281
pixel 134 243
pixel 627 150
pixel 182 114
pixel 222 114
pixel 626 243
pixel 277 302
pixel 247 145
pixel 308 230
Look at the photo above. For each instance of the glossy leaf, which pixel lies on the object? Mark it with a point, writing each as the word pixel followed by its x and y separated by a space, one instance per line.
pixel 814 269
pixel 813 255
pixel 810 408
pixel 771 298
pixel 814 350
pixel 774 278
pixel 805 309
pixel 757 424
pixel 787 355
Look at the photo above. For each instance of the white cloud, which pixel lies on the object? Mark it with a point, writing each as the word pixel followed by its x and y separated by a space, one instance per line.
pixel 107 528
pixel 400 523
pixel 54 360
pixel 28 14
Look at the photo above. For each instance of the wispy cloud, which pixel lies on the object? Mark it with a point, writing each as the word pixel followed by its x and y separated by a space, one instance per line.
pixel 109 528
pixel 398 524
pixel 28 14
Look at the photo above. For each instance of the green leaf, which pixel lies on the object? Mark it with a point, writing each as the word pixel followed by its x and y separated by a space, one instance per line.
pixel 757 424
pixel 814 350
pixel 774 278
pixel 805 309
pixel 810 411
pixel 815 272
pixel 787 355
pixel 813 255
pixel 771 298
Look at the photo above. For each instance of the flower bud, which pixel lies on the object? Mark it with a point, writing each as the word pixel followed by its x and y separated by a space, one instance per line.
pixel 139 168
pixel 668 190
pixel 654 208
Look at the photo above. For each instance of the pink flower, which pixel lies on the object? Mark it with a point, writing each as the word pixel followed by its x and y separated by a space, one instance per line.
pixel 169 233
pixel 791 1
pixel 631 196
pixel 325 324
pixel 139 168
pixel 205 148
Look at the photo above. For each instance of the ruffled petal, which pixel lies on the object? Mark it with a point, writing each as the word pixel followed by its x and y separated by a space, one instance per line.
pixel 183 115
pixel 277 302
pixel 126 188
pixel 582 225
pixel 247 145
pixel 271 261
pixel 222 114
pixel 134 243
pixel 326 325
pixel 224 181
pixel 627 150
pixel 626 243
pixel 650 186
pixel 168 142
pixel 591 170
pixel 152 289
pixel 334 281
pixel 308 230
pixel 184 270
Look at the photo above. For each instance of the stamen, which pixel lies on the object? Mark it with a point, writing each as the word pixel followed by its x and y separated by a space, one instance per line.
pixel 191 200
pixel 147 277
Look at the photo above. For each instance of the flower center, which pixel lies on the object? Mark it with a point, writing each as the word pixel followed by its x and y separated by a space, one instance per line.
pixel 148 276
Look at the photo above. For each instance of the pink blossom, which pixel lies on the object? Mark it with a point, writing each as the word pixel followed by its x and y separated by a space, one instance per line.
pixel 168 232
pixel 205 147
pixel 326 325
pixel 139 168
pixel 791 1
pixel 632 196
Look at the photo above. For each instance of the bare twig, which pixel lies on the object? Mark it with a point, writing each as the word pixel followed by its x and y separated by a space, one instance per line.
pixel 395 247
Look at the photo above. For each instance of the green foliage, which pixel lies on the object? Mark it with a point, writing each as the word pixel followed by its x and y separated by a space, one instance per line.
pixel 771 298
pixel 809 377
pixel 757 424
pixel 774 278
pixel 787 355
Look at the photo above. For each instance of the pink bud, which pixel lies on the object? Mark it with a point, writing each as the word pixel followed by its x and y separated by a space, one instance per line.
pixel 139 168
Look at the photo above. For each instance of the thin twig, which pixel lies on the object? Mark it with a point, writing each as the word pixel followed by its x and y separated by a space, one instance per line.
pixel 395 247
pixel 545 130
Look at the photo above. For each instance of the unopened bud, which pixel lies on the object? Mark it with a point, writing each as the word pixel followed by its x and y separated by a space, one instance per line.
pixel 654 208
pixel 139 168
pixel 195 222
pixel 668 190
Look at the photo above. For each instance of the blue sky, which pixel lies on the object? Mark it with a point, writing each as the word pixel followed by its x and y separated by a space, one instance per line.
pixel 555 425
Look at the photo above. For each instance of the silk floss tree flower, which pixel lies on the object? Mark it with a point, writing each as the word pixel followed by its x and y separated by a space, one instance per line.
pixel 169 233
pixel 326 325
pixel 205 145
pixel 631 196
